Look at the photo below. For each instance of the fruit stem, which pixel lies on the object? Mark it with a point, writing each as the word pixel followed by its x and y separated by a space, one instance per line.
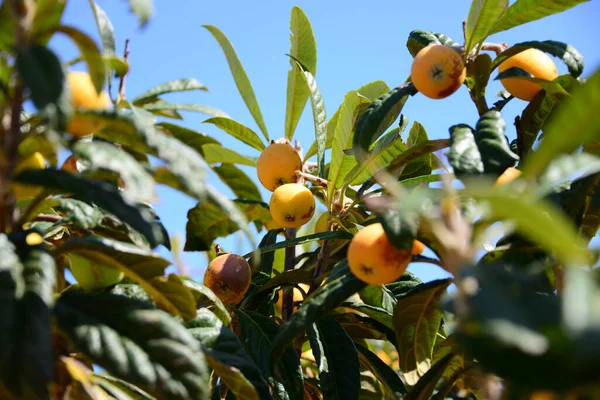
pixel 219 250
pixel 322 260
pixel 312 178
pixel 287 306
pixel 122 81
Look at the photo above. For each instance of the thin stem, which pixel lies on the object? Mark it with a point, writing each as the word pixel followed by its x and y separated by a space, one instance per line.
pixel 312 178
pixel 122 81
pixel 322 260
pixel 287 306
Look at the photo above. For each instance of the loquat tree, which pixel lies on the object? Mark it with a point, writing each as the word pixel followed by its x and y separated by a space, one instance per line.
pixel 88 310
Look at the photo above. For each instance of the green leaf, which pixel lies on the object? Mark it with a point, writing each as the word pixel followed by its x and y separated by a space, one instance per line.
pixel 379 314
pixel 143 262
pixel 319 117
pixel 524 11
pixel 337 360
pixel 378 296
pixel 573 125
pixel 177 85
pixel 304 50
pixel 90 52
pixel 164 106
pixel 142 10
pixel 77 213
pixel 400 228
pixel 259 333
pixel 418 39
pixel 550 87
pixel 241 78
pixel 342 138
pixel 189 137
pixel 139 185
pixel 43 75
pixel 105 29
pixel 235 366
pixel 178 294
pixel 48 14
pixel 322 300
pixel 208 221
pixel 566 166
pixel 241 185
pixel 537 220
pixel 567 53
pixel 428 382
pixel 378 117
pixel 416 155
pixel 496 154
pixel 371 91
pixel 203 295
pixel 404 284
pixel 112 384
pixel 141 345
pixel 215 153
pixel 388 378
pixel 478 75
pixel 417 319
pixel 464 156
pixel 238 131
pixel 100 193
pixel 483 15
pixel 329 235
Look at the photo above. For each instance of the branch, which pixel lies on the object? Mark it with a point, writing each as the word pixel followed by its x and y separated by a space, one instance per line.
pixel 312 178
pixel 287 307
pixel 122 82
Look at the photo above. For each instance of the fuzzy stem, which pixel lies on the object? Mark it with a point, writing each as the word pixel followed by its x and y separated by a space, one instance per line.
pixel 312 178
pixel 287 307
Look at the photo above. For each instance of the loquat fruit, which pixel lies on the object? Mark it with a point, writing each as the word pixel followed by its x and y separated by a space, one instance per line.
pixel 228 276
pixel 277 165
pixel 438 71
pixel 292 205
pixel 418 248
pixel 373 259
pixel 84 96
pixel 534 61
pixel 509 175
pixel 31 161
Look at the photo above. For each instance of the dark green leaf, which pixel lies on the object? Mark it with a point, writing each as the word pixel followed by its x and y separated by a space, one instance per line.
pixel 144 346
pixel 215 153
pixel 178 294
pixel 103 194
pixel 524 11
pixel 404 284
pixel 573 125
pixel 483 15
pixel 496 154
pixel 428 382
pixel 418 39
pixel 378 117
pixel 139 185
pixel 417 319
pixel 259 333
pixel 414 154
pixel 177 85
pixel 383 372
pixel 241 78
pixel 337 360
pixel 400 228
pixel 238 131
pixel 323 300
pixel 379 314
pixel 570 56
pixel 241 185
pixel 378 296
pixel 329 235
pixel 110 384
pixel 551 87
pixel 464 156
pixel 303 49
pixel 207 221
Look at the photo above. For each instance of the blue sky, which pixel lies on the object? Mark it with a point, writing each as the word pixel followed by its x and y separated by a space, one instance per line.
pixel 357 42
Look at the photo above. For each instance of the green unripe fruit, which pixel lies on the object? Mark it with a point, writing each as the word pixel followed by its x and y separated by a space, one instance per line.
pixel 92 276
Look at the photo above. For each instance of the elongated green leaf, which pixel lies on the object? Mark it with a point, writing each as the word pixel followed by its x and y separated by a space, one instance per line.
pixel 339 287
pixel 142 9
pixel 417 319
pixel 567 53
pixel 428 382
pixel 241 185
pixel 418 39
pixel 379 314
pixel 319 117
pixel 303 49
pixel 378 296
pixel 103 194
pixel 186 107
pixel 483 15
pixel 496 154
pixel 215 153
pixel 342 138
pixel 48 14
pixel 371 91
pixel 383 372
pixel 178 294
pixel 189 137
pixel 378 117
pixel 134 342
pixel 124 388
pixel 241 78
pixel 105 29
pixel 404 284
pixel 337 360
pixel 203 296
pixel 573 125
pixel 415 153
pixel 285 375
pixel 90 52
pixel 524 11
pixel 566 166
pixel 538 221
pixel 234 379
pixel 139 185
pixel 329 235
pixel 464 156
pixel 238 131
pixel 177 85
pixel 208 221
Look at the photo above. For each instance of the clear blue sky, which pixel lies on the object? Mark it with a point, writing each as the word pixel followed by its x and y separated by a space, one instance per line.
pixel 357 42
